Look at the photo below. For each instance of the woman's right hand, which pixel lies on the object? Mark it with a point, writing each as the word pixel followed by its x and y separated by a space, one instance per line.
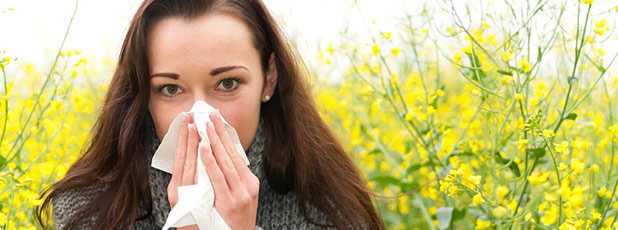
pixel 185 159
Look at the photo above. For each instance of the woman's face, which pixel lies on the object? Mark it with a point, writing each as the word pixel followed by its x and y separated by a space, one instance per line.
pixel 210 58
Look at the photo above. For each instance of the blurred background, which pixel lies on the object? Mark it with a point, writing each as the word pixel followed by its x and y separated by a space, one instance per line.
pixel 460 114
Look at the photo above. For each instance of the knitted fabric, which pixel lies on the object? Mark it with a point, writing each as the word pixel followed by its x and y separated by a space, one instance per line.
pixel 275 211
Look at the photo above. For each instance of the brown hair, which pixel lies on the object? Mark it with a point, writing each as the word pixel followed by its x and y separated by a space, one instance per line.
pixel 300 154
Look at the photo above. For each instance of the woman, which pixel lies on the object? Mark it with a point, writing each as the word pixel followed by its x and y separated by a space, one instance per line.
pixel 231 54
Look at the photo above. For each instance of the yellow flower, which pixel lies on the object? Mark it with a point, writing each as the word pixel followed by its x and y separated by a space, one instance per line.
pixel 467 49
pixel 32 198
pixel 506 55
pixel 452 191
pixel 548 133
pixel 577 167
pixel 481 224
pixel 375 50
pixel 550 216
pixel 404 207
pixel 475 180
pixel 525 66
pixel 563 167
pixel 537 178
pixel 528 218
pixel 519 97
pixel 601 192
pixel 409 115
pixel 522 144
pixel 600 27
pixel 595 215
pixel 550 197
pixel 430 110
pixel 2 219
pixel 506 79
pixel 562 147
pixel 387 35
pixel 444 185
pixel 396 51
pixel 566 226
pixel 587 1
pixel 457 58
pixel 502 191
pixel 477 199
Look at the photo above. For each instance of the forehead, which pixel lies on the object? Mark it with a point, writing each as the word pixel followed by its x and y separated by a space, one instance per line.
pixel 211 39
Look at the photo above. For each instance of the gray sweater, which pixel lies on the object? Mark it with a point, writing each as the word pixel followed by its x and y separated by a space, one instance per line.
pixel 275 211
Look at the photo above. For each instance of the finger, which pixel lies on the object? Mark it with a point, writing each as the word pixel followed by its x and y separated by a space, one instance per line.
pixel 179 159
pixel 172 193
pixel 223 160
pixel 181 149
pixel 250 181
pixel 239 163
pixel 188 174
pixel 217 179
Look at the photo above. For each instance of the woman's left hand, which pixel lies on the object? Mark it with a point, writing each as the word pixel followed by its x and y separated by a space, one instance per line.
pixel 236 188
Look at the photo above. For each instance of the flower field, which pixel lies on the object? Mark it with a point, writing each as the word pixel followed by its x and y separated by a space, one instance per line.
pixel 469 115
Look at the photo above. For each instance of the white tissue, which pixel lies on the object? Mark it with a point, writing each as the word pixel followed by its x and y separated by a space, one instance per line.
pixel 195 202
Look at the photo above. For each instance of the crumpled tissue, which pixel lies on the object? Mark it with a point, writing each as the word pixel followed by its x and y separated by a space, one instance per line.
pixel 195 202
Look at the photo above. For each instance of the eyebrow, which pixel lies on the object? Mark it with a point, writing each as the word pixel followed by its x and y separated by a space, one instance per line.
pixel 225 69
pixel 212 72
pixel 168 75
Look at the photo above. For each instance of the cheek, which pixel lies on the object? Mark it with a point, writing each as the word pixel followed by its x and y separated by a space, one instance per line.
pixel 163 114
pixel 244 116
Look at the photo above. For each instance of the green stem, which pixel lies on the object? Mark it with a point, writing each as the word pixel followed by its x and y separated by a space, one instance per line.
pixel 578 50
pixel 51 72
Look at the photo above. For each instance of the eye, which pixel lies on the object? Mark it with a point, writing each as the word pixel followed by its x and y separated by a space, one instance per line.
pixel 169 90
pixel 228 84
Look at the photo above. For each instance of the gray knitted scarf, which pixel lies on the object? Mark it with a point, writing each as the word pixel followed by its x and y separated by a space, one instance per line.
pixel 275 211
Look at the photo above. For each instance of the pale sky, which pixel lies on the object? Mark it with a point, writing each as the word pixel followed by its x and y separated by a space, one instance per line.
pixel 33 31
pixel 36 27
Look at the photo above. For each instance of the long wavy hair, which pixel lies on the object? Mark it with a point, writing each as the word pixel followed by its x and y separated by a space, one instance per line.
pixel 301 154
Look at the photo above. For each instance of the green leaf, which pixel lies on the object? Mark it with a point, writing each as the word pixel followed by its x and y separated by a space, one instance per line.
pixel 414 167
pixel 386 180
pixel 504 72
pixel 571 116
pixel 444 216
pixel 511 165
pixel 506 139
pixel 459 214
pixel 2 162
pixel 537 152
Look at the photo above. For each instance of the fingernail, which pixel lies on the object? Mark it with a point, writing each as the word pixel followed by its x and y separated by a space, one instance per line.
pixel 211 126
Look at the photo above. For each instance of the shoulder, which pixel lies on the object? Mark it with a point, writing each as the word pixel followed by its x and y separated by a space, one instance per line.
pixel 282 211
pixel 69 203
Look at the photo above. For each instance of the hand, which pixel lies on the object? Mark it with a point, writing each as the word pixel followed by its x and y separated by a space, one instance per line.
pixel 185 160
pixel 236 188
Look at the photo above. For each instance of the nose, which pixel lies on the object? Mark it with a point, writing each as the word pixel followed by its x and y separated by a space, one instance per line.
pixel 202 96
pixel 199 95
